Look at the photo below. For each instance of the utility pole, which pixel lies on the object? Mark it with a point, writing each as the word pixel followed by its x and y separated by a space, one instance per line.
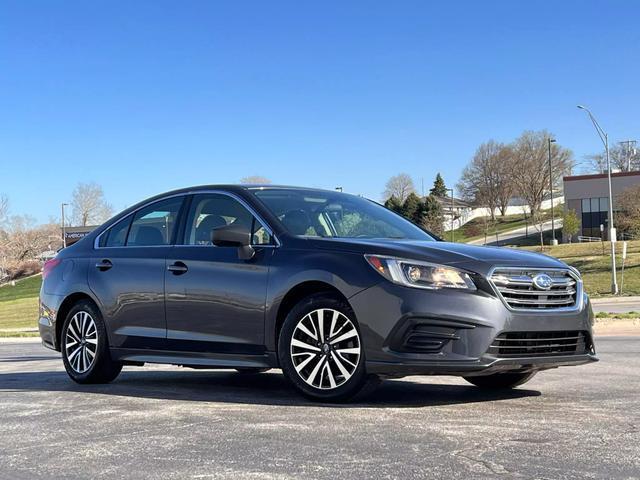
pixel 64 228
pixel 631 151
pixel 604 137
pixel 452 207
pixel 553 228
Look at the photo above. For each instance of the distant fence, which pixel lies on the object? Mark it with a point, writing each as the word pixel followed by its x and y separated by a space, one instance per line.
pixel 588 239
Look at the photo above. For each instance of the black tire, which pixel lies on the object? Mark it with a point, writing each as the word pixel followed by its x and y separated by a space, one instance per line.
pixel 101 368
pixel 346 387
pixel 500 380
pixel 252 370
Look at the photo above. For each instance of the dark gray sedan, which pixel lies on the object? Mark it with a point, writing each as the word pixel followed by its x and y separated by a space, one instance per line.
pixel 334 289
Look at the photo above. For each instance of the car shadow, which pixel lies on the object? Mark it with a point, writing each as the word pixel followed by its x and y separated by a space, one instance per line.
pixel 269 388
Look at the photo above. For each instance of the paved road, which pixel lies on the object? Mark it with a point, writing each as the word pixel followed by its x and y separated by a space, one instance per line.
pixel 516 233
pixel 616 305
pixel 171 423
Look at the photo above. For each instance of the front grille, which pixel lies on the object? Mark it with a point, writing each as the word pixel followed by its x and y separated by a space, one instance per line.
pixel 517 288
pixel 538 344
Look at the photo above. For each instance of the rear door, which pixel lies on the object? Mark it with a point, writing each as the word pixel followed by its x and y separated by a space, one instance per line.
pixel 127 275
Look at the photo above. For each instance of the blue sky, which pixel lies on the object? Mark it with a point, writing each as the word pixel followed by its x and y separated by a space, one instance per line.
pixel 144 97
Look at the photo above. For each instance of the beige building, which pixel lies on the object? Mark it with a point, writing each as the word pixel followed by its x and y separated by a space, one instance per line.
pixel 588 195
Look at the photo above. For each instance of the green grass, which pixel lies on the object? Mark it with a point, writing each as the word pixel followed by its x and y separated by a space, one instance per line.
pixel 619 316
pixel 19 304
pixel 18 334
pixel 596 267
pixel 25 288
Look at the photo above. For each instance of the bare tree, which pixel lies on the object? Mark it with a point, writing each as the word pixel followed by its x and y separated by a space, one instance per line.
pixel 255 180
pixel 89 205
pixel 487 180
pixel 622 158
pixel 25 240
pixel 531 172
pixel 628 216
pixel 399 187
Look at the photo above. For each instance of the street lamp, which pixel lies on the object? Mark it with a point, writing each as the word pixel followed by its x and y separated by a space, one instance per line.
pixel 612 231
pixel 553 228
pixel 64 233
pixel 452 206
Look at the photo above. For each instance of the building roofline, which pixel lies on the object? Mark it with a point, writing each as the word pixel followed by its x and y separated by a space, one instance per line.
pixel 591 176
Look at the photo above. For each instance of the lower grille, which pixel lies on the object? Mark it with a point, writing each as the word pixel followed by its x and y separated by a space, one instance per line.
pixel 537 344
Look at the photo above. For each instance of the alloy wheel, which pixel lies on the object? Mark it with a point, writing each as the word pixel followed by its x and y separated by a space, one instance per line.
pixel 81 342
pixel 325 348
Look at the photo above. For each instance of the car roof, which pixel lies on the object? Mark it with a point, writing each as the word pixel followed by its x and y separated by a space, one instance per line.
pixel 242 187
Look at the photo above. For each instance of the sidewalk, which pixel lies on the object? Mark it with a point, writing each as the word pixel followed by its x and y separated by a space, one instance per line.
pixel 616 304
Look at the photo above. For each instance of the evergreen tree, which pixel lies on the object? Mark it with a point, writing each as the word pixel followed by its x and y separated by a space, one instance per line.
pixel 394 204
pixel 432 218
pixel 439 188
pixel 412 208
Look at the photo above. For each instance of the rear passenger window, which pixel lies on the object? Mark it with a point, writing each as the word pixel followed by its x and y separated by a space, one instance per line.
pixel 116 236
pixel 153 225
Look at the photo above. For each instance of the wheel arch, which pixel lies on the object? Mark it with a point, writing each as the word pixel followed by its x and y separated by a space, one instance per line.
pixel 66 305
pixel 297 293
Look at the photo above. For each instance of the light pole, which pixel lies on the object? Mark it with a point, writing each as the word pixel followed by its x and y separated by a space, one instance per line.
pixel 452 206
pixel 612 231
pixel 64 233
pixel 553 228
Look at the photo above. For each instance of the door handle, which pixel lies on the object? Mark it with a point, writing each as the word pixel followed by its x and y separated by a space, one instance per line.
pixel 104 265
pixel 178 268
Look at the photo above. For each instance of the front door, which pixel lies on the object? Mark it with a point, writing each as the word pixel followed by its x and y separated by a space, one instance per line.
pixel 215 301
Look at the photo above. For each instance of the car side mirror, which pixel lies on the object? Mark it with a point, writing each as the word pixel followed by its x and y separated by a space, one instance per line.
pixel 234 236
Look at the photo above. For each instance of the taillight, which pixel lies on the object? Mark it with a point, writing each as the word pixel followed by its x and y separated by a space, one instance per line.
pixel 48 267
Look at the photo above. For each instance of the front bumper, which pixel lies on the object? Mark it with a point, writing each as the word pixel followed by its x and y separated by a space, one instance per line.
pixel 462 326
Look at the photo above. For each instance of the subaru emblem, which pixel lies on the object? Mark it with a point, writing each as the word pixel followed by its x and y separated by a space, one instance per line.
pixel 542 281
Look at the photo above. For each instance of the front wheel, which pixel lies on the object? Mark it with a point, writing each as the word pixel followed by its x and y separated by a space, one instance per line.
pixel 320 350
pixel 500 380
pixel 85 348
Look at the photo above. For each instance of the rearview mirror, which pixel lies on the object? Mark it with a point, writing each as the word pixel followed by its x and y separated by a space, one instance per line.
pixel 234 236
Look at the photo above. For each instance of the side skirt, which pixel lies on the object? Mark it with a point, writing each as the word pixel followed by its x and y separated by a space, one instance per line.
pixel 196 360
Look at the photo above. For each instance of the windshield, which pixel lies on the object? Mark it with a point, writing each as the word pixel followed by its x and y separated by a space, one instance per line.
pixel 312 213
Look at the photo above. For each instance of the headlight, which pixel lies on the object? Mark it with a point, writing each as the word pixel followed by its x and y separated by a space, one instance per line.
pixel 413 273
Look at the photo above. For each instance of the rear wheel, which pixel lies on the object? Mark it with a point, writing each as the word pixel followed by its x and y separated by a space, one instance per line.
pixel 85 348
pixel 320 350
pixel 500 380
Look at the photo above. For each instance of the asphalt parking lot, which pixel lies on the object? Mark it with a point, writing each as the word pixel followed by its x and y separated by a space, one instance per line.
pixel 173 423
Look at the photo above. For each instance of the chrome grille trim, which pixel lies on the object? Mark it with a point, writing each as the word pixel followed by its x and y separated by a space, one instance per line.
pixel 514 286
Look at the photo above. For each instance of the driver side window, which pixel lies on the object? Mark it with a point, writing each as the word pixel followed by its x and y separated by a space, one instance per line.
pixel 213 210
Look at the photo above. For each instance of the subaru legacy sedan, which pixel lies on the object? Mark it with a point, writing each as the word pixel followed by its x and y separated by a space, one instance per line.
pixel 334 289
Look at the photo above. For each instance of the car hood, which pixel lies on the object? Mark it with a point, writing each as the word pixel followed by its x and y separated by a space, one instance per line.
pixel 478 258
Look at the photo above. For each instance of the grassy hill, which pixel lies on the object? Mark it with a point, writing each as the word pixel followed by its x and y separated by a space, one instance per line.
pixel 19 304
pixel 474 229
